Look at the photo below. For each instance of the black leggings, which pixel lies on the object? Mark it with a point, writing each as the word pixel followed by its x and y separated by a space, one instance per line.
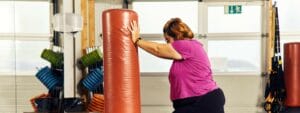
pixel 212 102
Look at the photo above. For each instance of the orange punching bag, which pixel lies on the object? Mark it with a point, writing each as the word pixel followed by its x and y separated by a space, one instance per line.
pixel 292 73
pixel 121 66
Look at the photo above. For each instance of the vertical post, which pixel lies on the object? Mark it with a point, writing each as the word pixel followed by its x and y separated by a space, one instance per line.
pixel 84 33
pixel 88 31
pixel 87 10
pixel 91 22
pixel 68 46
pixel 78 48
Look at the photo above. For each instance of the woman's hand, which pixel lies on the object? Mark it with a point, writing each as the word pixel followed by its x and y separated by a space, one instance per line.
pixel 135 31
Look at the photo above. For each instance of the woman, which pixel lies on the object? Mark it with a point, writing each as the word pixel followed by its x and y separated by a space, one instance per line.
pixel 193 89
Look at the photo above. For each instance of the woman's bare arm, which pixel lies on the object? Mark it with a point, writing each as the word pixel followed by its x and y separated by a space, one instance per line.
pixel 159 50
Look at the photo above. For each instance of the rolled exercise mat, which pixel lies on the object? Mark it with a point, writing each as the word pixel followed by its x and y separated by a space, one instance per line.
pixel 97 103
pixel 91 58
pixel 292 73
pixel 98 90
pixel 47 77
pixel 121 66
pixel 93 79
pixel 96 65
pixel 32 100
pixel 55 58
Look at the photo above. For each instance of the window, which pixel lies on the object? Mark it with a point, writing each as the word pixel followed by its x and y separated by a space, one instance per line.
pixel 289 16
pixel 248 21
pixel 150 63
pixel 23 17
pixel 289 23
pixel 234 40
pixel 27 64
pixel 234 55
pixel 24 33
pixel 152 17
pixel 7 16
pixel 7 57
pixel 32 17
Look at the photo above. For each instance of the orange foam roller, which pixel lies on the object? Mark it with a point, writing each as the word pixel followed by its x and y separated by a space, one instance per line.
pixel 97 103
pixel 121 66
pixel 292 73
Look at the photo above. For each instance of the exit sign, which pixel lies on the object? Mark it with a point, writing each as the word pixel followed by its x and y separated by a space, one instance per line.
pixel 233 9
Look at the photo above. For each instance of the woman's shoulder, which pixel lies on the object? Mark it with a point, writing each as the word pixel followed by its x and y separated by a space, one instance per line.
pixel 187 42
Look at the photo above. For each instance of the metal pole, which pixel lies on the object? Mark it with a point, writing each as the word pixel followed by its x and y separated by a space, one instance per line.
pixel 68 46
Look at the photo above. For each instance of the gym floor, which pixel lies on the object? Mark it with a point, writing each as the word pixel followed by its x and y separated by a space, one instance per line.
pixel 292 110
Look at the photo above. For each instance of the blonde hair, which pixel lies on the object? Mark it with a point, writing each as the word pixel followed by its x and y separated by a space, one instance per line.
pixel 177 29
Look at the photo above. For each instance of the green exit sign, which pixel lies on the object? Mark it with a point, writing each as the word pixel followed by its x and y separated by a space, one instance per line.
pixel 233 9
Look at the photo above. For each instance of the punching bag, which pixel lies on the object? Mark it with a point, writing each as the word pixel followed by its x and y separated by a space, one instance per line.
pixel 121 66
pixel 292 73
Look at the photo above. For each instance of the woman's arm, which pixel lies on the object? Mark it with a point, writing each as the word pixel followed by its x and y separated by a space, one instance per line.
pixel 157 49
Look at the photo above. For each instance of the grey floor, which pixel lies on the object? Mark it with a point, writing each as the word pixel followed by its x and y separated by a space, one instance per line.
pixel 292 110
